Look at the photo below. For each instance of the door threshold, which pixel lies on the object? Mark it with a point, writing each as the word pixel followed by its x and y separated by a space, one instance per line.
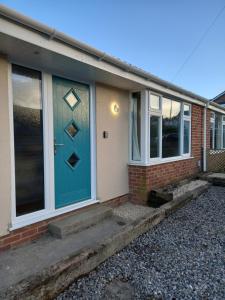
pixel 45 214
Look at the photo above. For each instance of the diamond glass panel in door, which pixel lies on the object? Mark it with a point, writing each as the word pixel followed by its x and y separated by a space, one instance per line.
pixel 73 160
pixel 28 140
pixel 72 129
pixel 72 99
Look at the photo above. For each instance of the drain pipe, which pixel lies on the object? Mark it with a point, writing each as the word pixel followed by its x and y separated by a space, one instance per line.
pixel 205 137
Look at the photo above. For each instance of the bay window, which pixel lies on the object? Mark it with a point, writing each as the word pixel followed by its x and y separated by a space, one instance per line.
pixel 161 127
pixel 170 128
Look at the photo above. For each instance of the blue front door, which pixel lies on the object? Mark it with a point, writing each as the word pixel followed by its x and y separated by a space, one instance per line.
pixel 72 142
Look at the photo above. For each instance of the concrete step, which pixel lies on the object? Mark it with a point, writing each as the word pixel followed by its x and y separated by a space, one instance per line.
pixel 79 221
pixel 187 189
pixel 215 178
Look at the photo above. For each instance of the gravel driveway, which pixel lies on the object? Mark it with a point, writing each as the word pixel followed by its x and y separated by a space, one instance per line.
pixel 181 258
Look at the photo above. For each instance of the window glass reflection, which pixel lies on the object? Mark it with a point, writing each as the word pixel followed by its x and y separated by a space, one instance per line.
pixel 186 137
pixel 171 116
pixel 136 126
pixel 28 139
pixel 154 136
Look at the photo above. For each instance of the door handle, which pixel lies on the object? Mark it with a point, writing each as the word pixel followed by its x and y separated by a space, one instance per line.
pixel 55 147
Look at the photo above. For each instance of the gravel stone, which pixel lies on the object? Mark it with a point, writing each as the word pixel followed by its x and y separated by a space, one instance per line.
pixel 181 258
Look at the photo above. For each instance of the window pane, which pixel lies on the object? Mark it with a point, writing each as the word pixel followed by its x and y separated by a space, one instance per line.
pixel 186 137
pixel 155 102
pixel 212 135
pixel 28 138
pixel 186 110
pixel 154 136
pixel 136 126
pixel 223 136
pixel 218 131
pixel 212 115
pixel 170 128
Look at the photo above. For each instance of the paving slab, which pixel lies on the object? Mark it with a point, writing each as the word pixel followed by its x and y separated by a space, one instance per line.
pixel 184 190
pixel 132 212
pixel 215 178
pixel 44 268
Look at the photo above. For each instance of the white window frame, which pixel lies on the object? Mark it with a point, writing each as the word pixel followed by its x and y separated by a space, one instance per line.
pixel 48 131
pixel 156 113
pixel 185 118
pixel 222 131
pixel 146 113
pixel 143 131
pixel 221 124
pixel 212 121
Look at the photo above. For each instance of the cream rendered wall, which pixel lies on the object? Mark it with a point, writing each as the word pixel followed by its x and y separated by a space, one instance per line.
pixel 112 153
pixel 5 165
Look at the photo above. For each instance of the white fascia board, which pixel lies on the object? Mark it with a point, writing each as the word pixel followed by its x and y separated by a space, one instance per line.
pixel 41 40
pixel 215 108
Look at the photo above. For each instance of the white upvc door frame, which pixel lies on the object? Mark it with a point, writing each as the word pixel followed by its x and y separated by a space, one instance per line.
pixel 48 140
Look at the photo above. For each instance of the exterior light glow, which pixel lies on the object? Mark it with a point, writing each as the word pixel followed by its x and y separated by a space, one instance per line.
pixel 115 109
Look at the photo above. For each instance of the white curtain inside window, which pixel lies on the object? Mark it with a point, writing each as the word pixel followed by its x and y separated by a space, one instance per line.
pixel 135 141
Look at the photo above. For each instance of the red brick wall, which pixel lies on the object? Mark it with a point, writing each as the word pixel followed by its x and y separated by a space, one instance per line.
pixel 143 179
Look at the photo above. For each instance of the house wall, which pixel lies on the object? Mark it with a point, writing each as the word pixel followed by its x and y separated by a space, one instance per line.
pixel 5 162
pixel 112 152
pixel 112 158
pixel 142 179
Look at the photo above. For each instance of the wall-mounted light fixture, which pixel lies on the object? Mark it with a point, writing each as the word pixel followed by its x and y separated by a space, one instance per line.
pixel 115 109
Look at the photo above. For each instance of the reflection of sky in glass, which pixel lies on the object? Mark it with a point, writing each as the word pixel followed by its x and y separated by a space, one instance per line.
pixel 27 91
pixel 186 110
pixel 170 108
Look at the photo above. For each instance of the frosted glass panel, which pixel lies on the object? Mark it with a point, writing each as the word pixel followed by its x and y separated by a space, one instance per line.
pixel 28 139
